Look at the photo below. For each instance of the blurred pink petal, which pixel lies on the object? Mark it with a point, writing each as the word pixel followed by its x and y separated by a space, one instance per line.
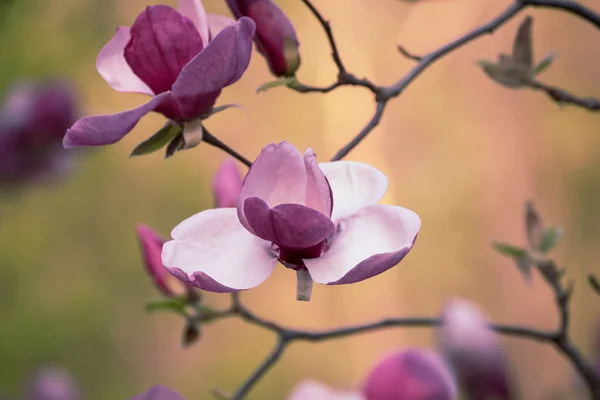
pixel 152 244
pixel 474 352
pixel 52 383
pixel 366 244
pixel 412 374
pixel 220 64
pixel 227 184
pixel 107 129
pixel 113 67
pixel 194 11
pixel 158 393
pixel 214 252
pixel 162 43
pixel 354 185
pixel 313 390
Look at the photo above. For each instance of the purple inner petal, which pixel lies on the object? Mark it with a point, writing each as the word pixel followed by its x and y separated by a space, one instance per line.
pixel 299 231
pixel 162 43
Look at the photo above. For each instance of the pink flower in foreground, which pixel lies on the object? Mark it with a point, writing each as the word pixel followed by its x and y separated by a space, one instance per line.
pixel 411 374
pixel 178 58
pixel 158 393
pixel 321 220
pixel 52 383
pixel 474 352
pixel 33 119
pixel 275 35
pixel 227 184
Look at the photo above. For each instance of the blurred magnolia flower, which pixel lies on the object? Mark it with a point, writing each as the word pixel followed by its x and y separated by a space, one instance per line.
pixel 52 383
pixel 275 35
pixel 227 184
pixel 411 374
pixel 180 58
pixel 33 120
pixel 321 220
pixel 158 393
pixel 473 351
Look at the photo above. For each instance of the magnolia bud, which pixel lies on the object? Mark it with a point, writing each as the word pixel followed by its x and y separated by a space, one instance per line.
pixel 227 184
pixel 51 383
pixel 275 36
pixel 474 352
pixel 151 244
pixel 412 374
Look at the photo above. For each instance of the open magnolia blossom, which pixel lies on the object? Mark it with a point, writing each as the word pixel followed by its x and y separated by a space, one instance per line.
pixel 181 58
pixel 321 220
pixel 411 374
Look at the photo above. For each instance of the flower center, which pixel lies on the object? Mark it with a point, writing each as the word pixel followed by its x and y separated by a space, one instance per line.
pixel 292 258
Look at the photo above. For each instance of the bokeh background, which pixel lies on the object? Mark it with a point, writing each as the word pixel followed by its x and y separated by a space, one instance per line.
pixel 462 151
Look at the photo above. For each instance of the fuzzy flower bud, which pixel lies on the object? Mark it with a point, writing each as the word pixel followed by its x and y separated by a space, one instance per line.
pixel 227 184
pixel 51 383
pixel 275 35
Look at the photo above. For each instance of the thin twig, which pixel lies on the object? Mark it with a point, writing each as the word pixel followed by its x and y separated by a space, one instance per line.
pixel 561 96
pixel 213 141
pixel 363 133
pixel 408 55
pixel 572 7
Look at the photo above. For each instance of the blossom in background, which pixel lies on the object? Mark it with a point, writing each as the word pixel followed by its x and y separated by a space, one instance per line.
pixel 275 35
pixel 321 220
pixel 180 58
pixel 33 119
pixel 474 352
pixel 227 184
pixel 158 393
pixel 411 374
pixel 52 383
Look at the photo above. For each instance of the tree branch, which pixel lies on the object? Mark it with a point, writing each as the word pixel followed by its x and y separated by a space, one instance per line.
pixel 561 96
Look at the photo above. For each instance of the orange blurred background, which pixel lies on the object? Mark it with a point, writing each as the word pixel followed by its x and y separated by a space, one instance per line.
pixel 460 150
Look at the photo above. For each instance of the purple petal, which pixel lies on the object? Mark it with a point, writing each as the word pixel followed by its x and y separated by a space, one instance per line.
pixel 152 244
pixel 277 176
pixel 52 383
pixel 318 192
pixel 412 374
pixel 474 351
pixel 158 393
pixel 354 185
pixel 366 244
pixel 162 43
pixel 106 129
pixel 313 390
pixel 215 253
pixel 291 226
pixel 220 64
pixel 194 11
pixel 227 184
pixel 113 67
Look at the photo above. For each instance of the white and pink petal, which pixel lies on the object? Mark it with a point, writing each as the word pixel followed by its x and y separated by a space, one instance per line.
pixel 313 390
pixel 212 251
pixel 366 244
pixel 354 185
pixel 194 11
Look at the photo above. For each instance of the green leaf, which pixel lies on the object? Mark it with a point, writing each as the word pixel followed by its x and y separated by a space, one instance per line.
pixel 158 140
pixel 176 304
pixel 177 144
pixel 279 82
pixel 551 237
pixel 510 250
pixel 217 110
pixel 544 64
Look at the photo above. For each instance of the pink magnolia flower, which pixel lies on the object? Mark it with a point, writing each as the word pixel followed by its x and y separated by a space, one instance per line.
pixel 411 374
pixel 275 35
pixel 33 119
pixel 178 58
pixel 321 220
pixel 227 184
pixel 158 393
pixel 474 352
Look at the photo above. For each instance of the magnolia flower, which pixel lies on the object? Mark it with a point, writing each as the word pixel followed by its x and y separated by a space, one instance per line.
pixel 275 35
pixel 411 374
pixel 178 58
pixel 52 383
pixel 158 393
pixel 321 220
pixel 33 119
pixel 227 184
pixel 473 351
